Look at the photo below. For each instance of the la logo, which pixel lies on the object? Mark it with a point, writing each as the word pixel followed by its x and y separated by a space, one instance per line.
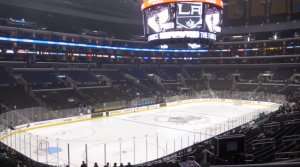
pixel 194 9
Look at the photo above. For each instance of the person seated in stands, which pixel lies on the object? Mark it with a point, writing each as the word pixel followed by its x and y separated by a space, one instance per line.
pixel 128 164
pixel 261 136
pixel 3 150
pixel 280 108
pixel 36 118
pixel 247 128
pixel 115 164
pixel 45 116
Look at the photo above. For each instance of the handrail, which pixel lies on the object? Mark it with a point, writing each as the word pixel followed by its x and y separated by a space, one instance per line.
pixel 249 155
pixel 272 124
pixel 289 164
pixel 263 141
pixel 284 153
pixel 290 122
pixel 290 138
pixel 206 151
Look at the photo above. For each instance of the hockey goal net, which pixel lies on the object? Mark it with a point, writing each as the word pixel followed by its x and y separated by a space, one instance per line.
pixel 237 102
pixel 43 146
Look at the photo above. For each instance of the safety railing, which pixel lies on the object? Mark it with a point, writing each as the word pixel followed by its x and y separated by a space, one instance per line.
pixel 290 122
pixel 272 124
pixel 290 138
pixel 286 155
pixel 263 141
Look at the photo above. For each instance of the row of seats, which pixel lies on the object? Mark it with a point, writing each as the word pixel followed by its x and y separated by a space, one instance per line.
pixel 61 99
pixel 135 72
pixel 113 75
pixel 47 77
pixel 219 75
pixel 5 79
pixel 147 88
pixel 198 85
pixel 16 97
pixel 106 94
pixel 157 72
pixel 39 77
pixel 81 76
pixel 246 74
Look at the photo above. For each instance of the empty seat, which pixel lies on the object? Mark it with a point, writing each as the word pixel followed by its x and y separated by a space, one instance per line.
pixel 65 99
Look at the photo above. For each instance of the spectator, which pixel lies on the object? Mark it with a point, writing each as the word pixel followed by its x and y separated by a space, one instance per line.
pixel 83 164
pixel 261 136
pixel 96 165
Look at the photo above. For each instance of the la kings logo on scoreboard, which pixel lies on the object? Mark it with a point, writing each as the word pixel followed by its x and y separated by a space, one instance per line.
pixel 189 15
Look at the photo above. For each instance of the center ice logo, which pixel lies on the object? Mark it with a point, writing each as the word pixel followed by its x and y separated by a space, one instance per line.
pixel 182 119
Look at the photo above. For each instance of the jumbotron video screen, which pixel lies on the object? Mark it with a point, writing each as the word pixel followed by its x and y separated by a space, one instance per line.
pixel 175 19
pixel 160 18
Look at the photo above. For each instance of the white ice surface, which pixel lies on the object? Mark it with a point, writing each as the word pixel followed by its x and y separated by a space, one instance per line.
pixel 129 134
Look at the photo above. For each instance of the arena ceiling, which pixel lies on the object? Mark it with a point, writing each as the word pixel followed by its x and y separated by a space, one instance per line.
pixel 119 11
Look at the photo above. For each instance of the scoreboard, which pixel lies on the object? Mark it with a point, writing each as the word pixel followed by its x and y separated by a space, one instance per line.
pixel 175 19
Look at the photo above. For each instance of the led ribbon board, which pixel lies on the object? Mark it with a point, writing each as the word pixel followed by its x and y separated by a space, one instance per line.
pixel 94 46
pixel 182 34
pixel 150 3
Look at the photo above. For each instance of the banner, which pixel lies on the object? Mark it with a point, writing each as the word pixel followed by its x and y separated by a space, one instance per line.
pixel 234 11
pixel 108 108
pixel 163 104
pixel 278 6
pixel 116 112
pixel 257 9
pixel 97 115
pixel 296 6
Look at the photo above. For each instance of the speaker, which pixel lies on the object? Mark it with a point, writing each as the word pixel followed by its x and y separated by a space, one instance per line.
pixel 230 148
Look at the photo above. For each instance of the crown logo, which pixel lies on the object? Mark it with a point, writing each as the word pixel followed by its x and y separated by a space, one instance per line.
pixel 190 23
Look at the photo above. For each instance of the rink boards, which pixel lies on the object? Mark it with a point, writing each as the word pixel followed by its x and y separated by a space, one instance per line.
pixel 36 125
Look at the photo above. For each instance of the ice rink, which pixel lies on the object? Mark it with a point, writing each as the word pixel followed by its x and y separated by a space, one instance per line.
pixel 134 137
